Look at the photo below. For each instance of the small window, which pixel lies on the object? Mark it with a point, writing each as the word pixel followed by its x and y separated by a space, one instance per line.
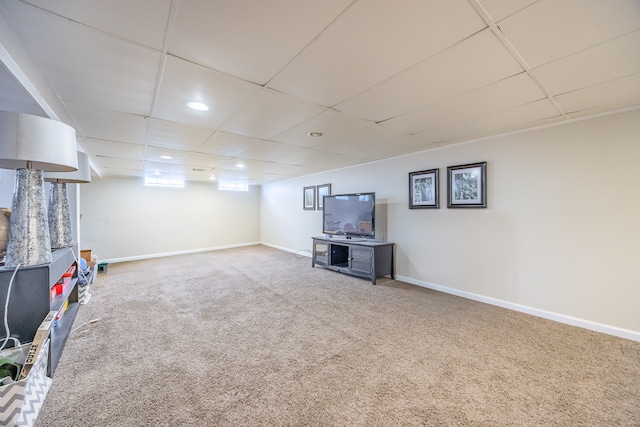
pixel 166 182
pixel 233 186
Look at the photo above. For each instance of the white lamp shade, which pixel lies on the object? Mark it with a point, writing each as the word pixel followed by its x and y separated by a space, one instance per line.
pixel 81 176
pixel 48 144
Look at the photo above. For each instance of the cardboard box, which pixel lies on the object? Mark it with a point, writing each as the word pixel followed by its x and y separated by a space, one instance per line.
pixel 86 254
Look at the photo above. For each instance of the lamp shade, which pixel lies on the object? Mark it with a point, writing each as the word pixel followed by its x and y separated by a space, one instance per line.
pixel 80 176
pixel 41 143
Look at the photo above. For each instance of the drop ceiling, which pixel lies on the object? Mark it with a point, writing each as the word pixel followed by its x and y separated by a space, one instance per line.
pixel 377 78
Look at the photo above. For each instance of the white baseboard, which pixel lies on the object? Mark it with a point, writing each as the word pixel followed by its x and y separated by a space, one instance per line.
pixel 301 252
pixel 165 254
pixel 574 321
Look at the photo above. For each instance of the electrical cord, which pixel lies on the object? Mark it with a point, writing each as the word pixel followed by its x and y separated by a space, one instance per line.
pixel 6 311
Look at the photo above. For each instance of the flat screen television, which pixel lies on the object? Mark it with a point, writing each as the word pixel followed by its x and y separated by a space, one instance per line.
pixel 349 215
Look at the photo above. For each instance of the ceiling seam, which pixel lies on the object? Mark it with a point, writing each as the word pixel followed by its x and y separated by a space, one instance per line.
pixel 330 24
pixel 516 55
pixel 171 19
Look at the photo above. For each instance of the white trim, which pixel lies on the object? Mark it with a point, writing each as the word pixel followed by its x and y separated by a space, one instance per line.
pixel 165 254
pixel 569 320
pixel 301 252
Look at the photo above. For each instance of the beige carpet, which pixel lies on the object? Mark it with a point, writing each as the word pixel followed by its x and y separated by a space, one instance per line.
pixel 256 337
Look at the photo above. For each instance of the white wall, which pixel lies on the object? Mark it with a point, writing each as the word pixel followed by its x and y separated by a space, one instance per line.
pixel 121 219
pixel 7 182
pixel 559 237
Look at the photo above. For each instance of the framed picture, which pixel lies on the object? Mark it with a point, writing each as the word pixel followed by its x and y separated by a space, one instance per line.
pixel 323 190
pixel 423 189
pixel 309 198
pixel 467 186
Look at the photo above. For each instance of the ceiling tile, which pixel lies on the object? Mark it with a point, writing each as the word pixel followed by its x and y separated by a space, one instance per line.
pixel 500 9
pixel 102 70
pixel 332 124
pixel 617 93
pixel 229 144
pixel 155 154
pixel 472 63
pixel 337 161
pixel 189 172
pixel 101 123
pixel 177 136
pixel 305 157
pixel 551 29
pixel 113 163
pixel 528 115
pixel 159 167
pixel 145 21
pixel 252 39
pixel 183 82
pixel 203 160
pixel 256 178
pixel 120 150
pixel 373 41
pixel 512 91
pixel 260 166
pixel 268 114
pixel 222 174
pixel 606 61
pixel 269 151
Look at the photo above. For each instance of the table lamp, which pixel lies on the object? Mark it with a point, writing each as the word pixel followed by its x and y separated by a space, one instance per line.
pixel 31 145
pixel 59 212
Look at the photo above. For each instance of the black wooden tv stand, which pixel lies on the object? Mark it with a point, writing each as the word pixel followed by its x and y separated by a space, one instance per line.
pixel 364 258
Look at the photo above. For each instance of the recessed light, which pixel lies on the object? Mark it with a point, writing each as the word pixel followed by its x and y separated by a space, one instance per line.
pixel 212 177
pixel 198 106
pixel 239 165
pixel 166 157
pixel 157 173
pixel 315 134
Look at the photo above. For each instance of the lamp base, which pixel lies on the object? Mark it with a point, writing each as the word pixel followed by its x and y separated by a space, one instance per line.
pixel 59 216
pixel 29 242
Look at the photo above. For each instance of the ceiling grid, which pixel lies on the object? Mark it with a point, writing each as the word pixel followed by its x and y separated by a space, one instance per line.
pixel 378 79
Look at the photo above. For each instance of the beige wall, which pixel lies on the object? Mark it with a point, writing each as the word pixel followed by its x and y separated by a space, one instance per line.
pixel 123 220
pixel 559 237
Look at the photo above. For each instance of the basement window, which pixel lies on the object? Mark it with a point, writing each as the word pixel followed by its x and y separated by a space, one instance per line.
pixel 233 186
pixel 165 182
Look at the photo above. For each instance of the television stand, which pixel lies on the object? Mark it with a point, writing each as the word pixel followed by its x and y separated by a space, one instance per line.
pixel 364 258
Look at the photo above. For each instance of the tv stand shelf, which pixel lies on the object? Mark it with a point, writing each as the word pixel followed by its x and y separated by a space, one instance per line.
pixel 31 301
pixel 364 258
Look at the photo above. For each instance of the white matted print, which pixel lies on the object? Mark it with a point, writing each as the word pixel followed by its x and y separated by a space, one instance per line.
pixel 467 186
pixel 309 198
pixel 423 189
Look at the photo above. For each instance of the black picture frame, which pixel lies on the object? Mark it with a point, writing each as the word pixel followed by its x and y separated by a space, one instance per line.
pixel 309 198
pixel 424 189
pixel 322 190
pixel 467 186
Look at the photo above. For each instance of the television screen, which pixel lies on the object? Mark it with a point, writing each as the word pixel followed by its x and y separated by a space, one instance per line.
pixel 349 215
